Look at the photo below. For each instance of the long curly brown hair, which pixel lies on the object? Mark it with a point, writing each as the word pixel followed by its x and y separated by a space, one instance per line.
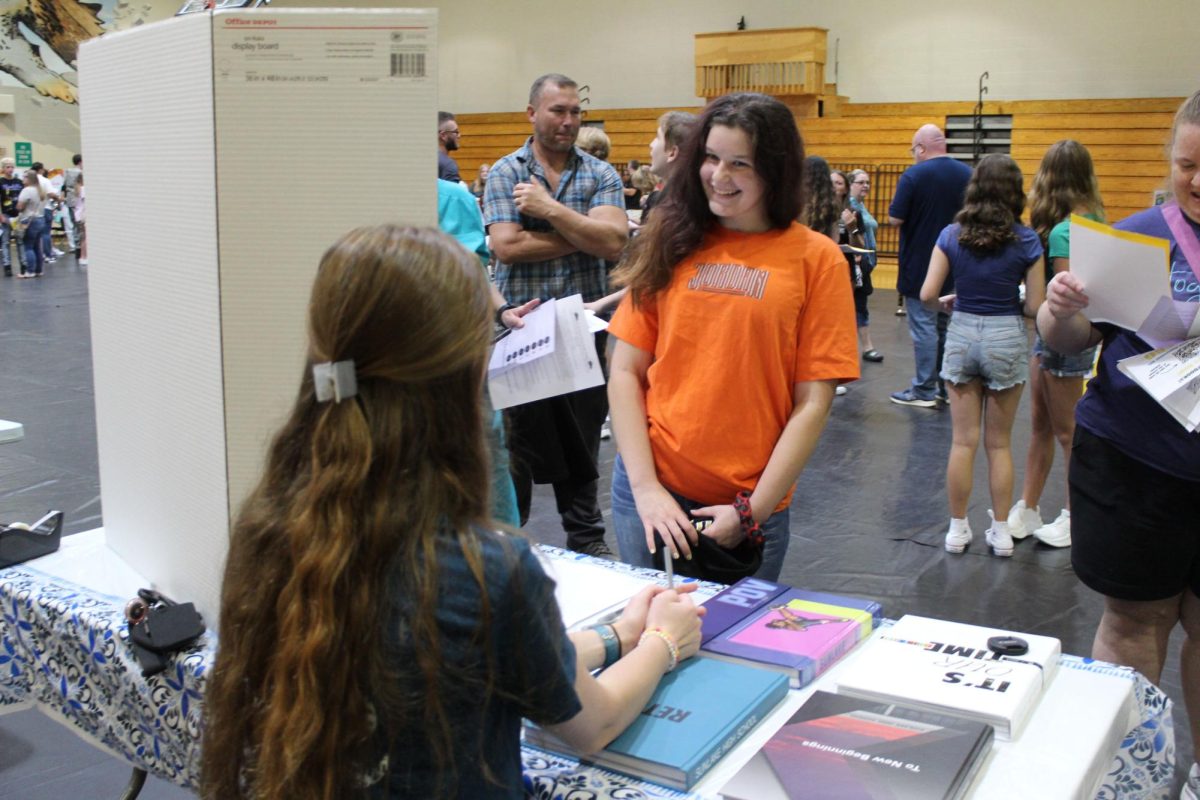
pixel 1065 181
pixel 353 500
pixel 994 202
pixel 821 206
pixel 682 217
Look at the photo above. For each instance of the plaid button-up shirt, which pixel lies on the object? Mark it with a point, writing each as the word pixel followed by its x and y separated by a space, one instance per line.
pixel 586 183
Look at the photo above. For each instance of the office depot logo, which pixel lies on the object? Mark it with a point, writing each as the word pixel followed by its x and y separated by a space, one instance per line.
pixel 242 21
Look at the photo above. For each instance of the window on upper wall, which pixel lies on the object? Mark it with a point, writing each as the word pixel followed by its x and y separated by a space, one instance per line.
pixel 994 132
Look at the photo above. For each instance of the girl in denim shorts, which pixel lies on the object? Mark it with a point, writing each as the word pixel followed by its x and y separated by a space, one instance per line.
pixel 986 361
pixel 1065 184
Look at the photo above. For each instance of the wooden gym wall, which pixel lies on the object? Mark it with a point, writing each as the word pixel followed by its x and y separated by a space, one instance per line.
pixel 1127 139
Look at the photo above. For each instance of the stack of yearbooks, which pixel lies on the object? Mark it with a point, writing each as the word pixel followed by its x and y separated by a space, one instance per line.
pixel 843 747
pixel 797 633
pixel 954 668
pixel 698 713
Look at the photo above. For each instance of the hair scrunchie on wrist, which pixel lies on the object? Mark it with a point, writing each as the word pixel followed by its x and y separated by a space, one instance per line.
pixel 751 529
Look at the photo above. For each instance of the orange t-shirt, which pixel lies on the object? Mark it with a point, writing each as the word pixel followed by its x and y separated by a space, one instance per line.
pixel 744 318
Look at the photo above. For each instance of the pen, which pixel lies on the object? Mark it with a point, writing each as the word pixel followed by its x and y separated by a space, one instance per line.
pixel 502 334
pixel 668 562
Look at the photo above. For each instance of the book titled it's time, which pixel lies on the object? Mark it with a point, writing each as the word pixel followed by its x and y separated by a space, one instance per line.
pixel 947 667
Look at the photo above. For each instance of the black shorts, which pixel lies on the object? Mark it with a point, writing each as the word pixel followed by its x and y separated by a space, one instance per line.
pixel 1135 533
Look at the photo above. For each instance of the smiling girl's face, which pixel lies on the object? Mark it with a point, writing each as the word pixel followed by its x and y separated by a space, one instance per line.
pixel 736 194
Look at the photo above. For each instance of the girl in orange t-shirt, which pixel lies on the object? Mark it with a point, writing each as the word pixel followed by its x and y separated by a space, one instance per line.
pixel 738 326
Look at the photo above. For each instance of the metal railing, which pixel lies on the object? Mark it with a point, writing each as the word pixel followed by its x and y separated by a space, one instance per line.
pixel 884 178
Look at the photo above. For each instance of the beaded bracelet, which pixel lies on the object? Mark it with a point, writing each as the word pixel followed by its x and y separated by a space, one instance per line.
pixel 612 643
pixel 670 643
pixel 751 529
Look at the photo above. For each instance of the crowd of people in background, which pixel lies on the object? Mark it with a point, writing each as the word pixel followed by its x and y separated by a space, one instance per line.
pixel 30 203
pixel 741 310
pixel 955 223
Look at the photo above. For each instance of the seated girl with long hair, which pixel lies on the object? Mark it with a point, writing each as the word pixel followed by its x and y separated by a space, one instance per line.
pixel 738 326
pixel 377 637
pixel 987 347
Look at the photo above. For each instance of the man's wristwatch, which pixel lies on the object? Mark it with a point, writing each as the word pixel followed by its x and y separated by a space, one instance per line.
pixel 500 313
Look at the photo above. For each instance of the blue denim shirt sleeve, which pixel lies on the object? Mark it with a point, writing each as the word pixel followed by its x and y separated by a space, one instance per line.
pixel 498 204
pixel 870 222
pixel 543 668
pixel 610 190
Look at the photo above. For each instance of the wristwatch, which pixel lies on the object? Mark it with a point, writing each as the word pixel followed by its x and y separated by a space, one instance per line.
pixel 500 313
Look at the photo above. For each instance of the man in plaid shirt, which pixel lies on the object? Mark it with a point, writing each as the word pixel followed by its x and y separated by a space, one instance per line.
pixel 554 215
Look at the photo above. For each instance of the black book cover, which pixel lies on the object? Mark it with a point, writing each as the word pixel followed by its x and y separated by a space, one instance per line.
pixel 843 748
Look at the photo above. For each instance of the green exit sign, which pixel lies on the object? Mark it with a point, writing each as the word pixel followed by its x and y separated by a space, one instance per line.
pixel 24 152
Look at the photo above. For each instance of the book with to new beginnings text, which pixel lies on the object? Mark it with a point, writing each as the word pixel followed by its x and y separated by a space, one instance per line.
pixel 843 747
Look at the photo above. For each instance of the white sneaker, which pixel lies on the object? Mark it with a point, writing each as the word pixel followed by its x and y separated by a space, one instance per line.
pixel 1022 521
pixel 840 391
pixel 57 252
pixel 958 536
pixel 999 538
pixel 1057 533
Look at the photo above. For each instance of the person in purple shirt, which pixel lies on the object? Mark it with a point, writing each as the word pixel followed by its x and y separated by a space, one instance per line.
pixel 1135 470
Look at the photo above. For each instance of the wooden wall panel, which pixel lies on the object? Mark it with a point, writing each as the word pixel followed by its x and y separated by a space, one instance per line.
pixel 1091 137
pixel 487 137
pixel 1126 138
pixel 1103 121
pixel 1100 152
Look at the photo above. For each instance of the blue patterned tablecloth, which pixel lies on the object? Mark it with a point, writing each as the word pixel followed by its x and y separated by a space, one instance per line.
pixel 1143 769
pixel 63 649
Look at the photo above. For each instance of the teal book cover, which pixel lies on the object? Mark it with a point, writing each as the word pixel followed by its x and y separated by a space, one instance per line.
pixel 697 714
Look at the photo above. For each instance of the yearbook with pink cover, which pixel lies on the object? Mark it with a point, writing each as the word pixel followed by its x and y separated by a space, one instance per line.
pixel 797 633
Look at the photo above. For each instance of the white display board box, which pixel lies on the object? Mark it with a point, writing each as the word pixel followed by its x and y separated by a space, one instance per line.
pixel 225 152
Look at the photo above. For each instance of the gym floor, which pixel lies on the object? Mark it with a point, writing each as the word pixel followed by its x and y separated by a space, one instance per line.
pixel 867 517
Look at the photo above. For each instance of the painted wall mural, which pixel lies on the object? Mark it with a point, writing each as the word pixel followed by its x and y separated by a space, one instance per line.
pixel 39 39
pixel 30 28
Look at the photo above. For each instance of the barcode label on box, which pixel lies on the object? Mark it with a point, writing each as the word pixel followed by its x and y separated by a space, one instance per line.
pixel 408 65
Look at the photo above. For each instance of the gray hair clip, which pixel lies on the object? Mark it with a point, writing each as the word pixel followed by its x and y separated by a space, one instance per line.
pixel 334 380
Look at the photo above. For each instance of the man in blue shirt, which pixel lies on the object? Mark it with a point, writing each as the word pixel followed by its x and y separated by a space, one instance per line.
pixel 927 197
pixel 554 215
